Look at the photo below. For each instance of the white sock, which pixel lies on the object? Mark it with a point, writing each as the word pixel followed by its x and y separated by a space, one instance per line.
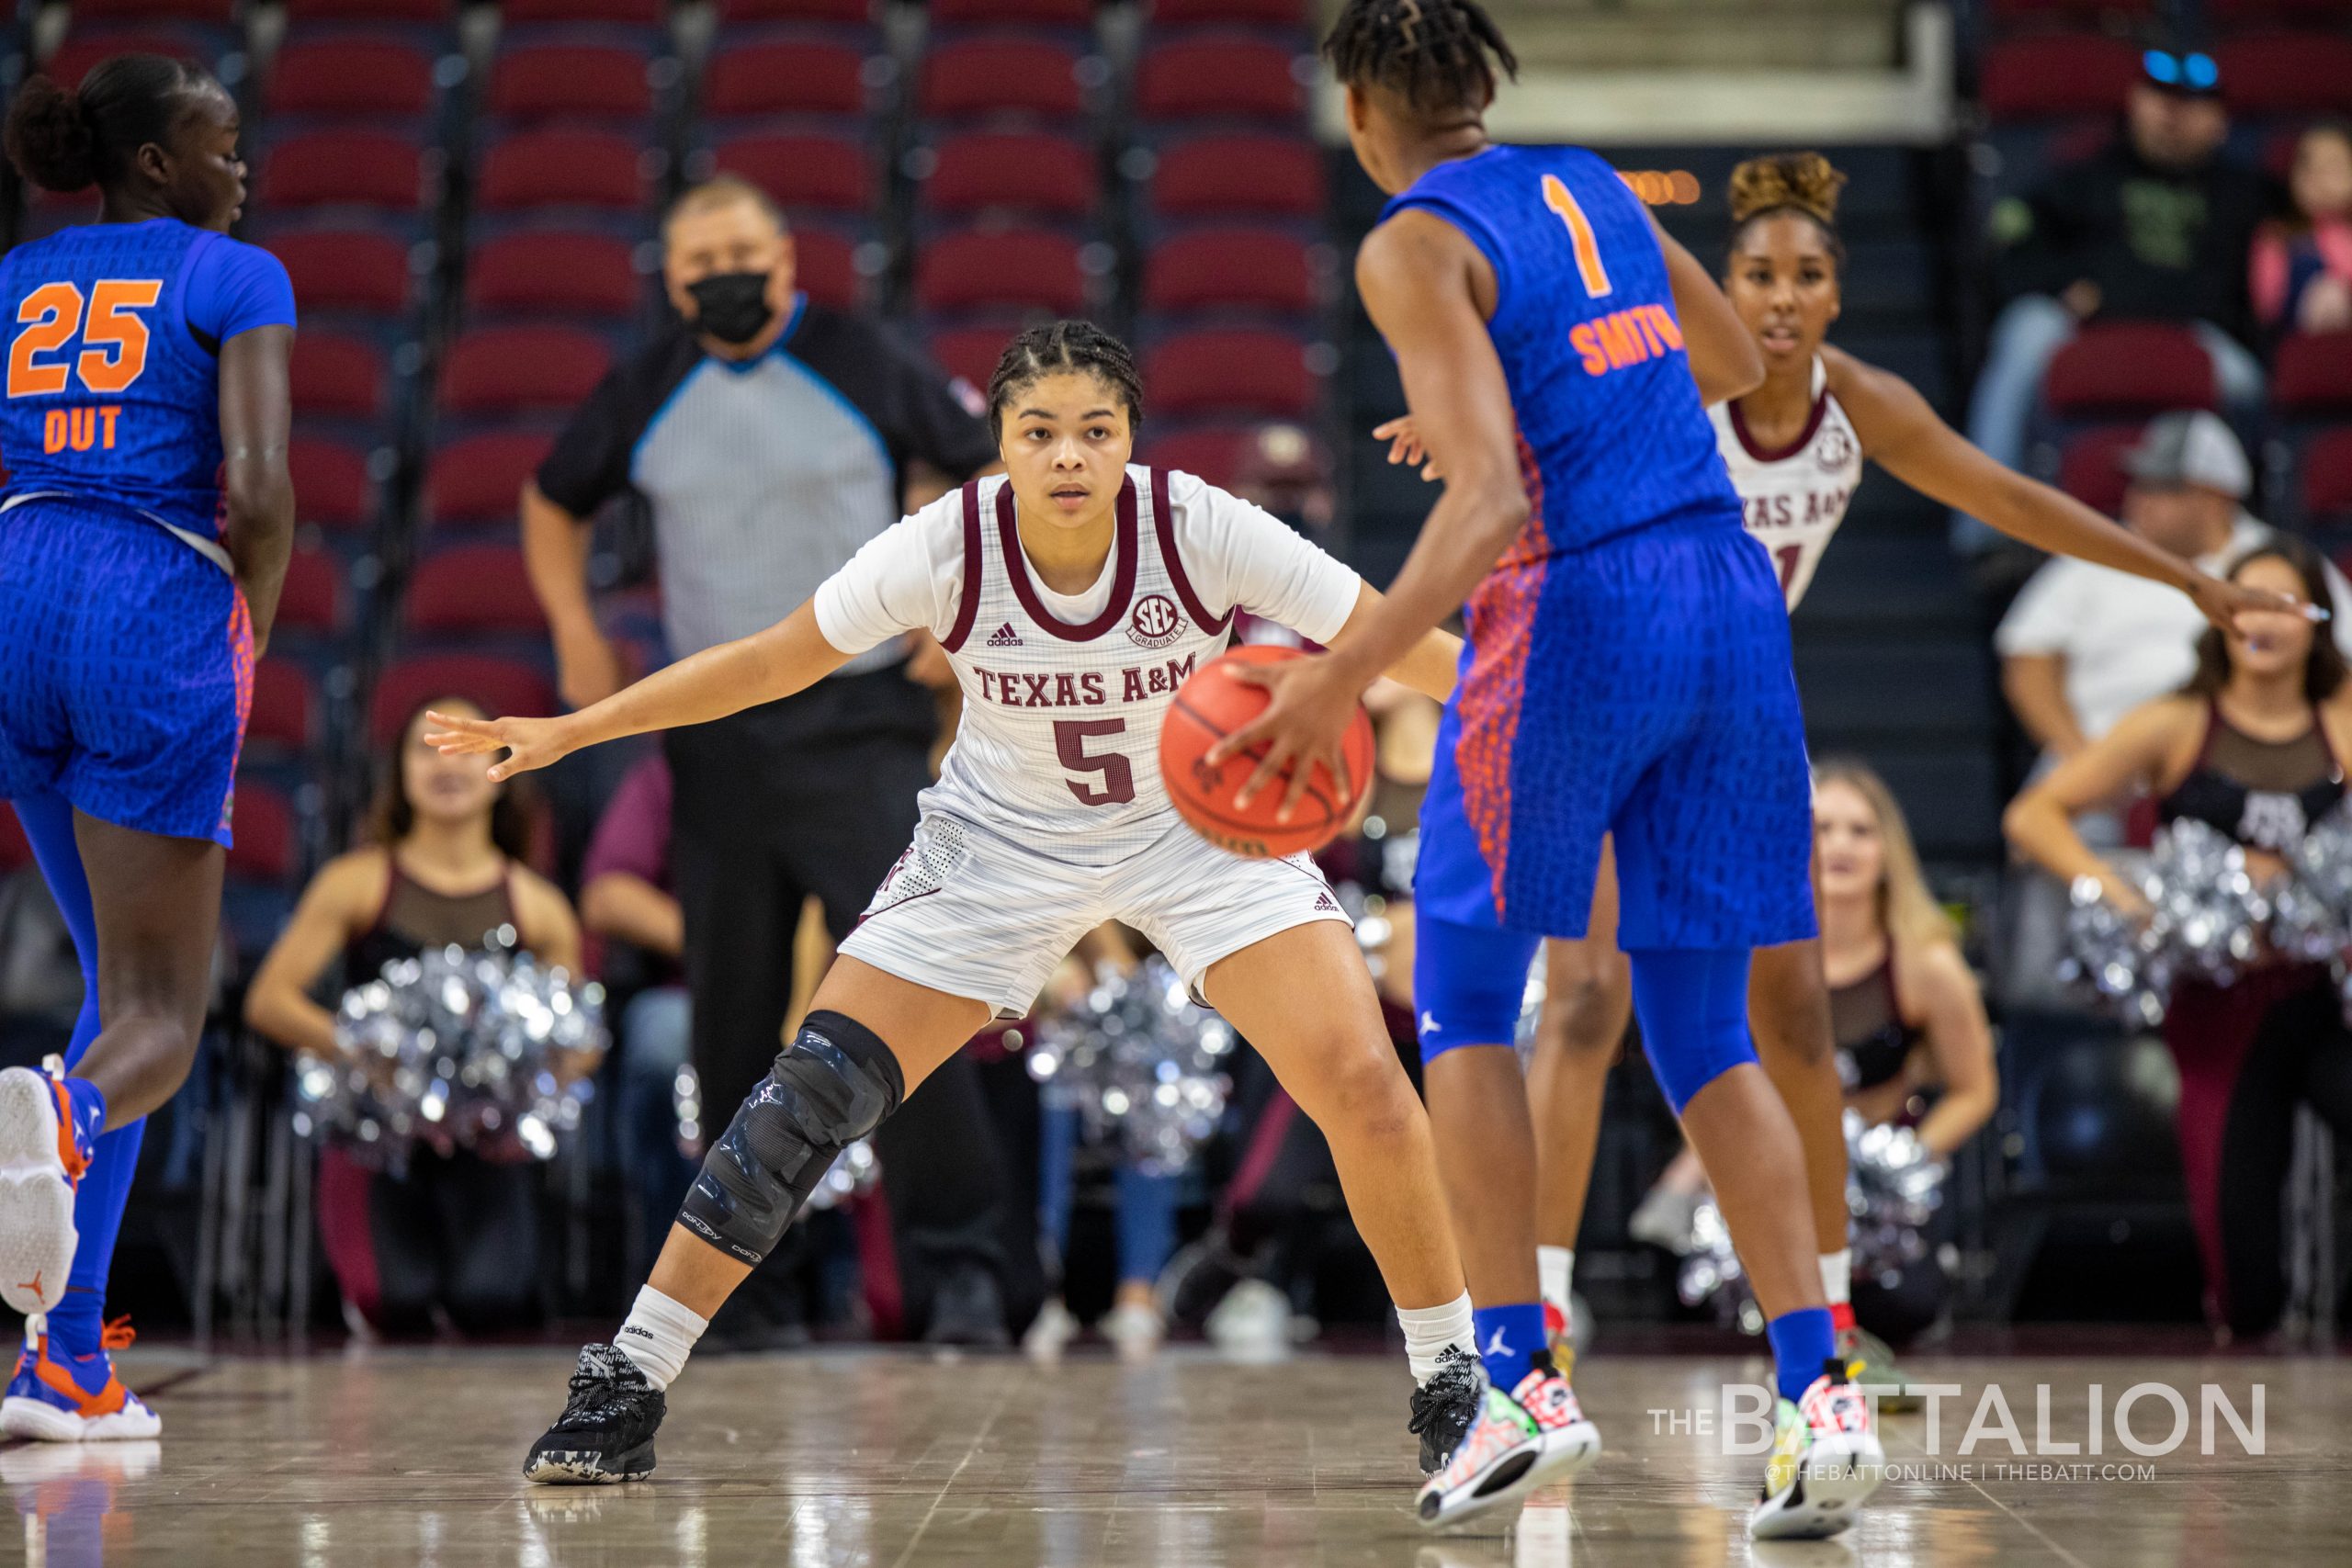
pixel 1557 1267
pixel 1429 1330
pixel 1838 1276
pixel 659 1337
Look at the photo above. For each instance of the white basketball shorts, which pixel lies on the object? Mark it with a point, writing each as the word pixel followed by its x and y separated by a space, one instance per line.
pixel 974 914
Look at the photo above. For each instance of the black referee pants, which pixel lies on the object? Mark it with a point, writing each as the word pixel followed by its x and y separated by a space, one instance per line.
pixel 766 815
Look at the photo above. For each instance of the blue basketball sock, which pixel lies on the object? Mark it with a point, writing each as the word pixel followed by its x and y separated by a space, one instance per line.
pixel 1802 1342
pixel 1507 1338
pixel 75 1322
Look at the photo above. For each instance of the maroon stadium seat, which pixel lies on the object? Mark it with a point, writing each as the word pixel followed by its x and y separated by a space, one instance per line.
pixel 804 172
pixel 331 484
pixel 990 75
pixel 1027 170
pixel 350 75
pixel 1223 175
pixel 335 376
pixel 262 823
pixel 472 589
pixel 322 168
pixel 210 12
pixel 480 478
pixel 554 273
pixel 632 13
pixel 85 48
pixel 501 686
pixel 346 269
pixel 970 352
pixel 311 599
pixel 2328 481
pixel 15 850
pixel 426 12
pixel 2287 72
pixel 538 81
pixel 785 76
pixel 285 711
pixel 825 268
pixel 510 370
pixel 1230 372
pixel 996 13
pixel 1226 454
pixel 1011 267
pixel 2075 13
pixel 2046 77
pixel 2092 469
pixel 1218 75
pixel 562 168
pixel 2239 13
pixel 2313 374
pixel 1256 268
pixel 2148 366
pixel 846 13
pixel 1253 13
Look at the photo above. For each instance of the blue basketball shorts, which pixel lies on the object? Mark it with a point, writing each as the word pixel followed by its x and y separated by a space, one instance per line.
pixel 126 669
pixel 1641 687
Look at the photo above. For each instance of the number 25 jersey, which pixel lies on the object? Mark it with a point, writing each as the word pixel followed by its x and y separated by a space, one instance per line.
pixel 114 335
pixel 1064 695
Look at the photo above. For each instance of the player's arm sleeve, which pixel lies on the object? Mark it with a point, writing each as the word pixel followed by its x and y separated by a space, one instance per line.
pixel 940 418
pixel 1244 557
pixel 2042 621
pixel 905 578
pixel 589 463
pixel 233 288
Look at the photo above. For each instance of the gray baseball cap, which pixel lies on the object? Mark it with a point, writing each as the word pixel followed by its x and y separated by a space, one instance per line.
pixel 2190 446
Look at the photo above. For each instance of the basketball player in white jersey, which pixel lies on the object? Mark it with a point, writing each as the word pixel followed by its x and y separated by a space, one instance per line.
pixel 1795 447
pixel 1072 597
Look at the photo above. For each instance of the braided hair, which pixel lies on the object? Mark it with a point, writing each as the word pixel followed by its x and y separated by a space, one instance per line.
pixel 1066 347
pixel 1806 183
pixel 67 139
pixel 1433 55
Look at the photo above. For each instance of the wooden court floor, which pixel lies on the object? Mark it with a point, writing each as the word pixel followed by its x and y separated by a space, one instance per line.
pixel 857 1457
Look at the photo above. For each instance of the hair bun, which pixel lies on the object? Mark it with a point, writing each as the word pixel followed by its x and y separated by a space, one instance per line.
pixel 1805 181
pixel 50 138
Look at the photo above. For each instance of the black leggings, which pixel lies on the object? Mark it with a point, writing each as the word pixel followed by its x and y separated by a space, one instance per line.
pixel 455 1231
pixel 2249 1054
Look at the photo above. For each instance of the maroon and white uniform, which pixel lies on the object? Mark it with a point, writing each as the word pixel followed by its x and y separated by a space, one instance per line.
pixel 1793 500
pixel 1049 816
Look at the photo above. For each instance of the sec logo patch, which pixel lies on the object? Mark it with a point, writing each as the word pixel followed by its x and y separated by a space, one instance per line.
pixel 1156 622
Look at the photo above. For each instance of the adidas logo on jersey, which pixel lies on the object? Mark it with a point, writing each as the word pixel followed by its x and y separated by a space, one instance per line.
pixel 1325 901
pixel 1004 637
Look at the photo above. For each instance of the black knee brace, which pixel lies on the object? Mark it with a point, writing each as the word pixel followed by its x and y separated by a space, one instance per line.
pixel 832 1085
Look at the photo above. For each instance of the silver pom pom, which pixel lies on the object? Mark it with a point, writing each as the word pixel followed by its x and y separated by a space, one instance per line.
pixel 1139 1059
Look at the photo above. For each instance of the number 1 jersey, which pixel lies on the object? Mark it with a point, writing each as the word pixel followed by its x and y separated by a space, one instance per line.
pixel 114 335
pixel 1064 695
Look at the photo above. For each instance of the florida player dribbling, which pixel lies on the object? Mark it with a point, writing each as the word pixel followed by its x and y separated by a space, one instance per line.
pixel 1072 596
pixel 1627 674
pixel 143 538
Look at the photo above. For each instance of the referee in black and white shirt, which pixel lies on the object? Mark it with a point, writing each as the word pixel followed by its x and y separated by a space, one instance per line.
pixel 771 438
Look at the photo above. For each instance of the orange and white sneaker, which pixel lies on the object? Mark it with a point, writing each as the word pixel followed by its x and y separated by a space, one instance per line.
pixel 1826 1463
pixel 74 1399
pixel 44 1148
pixel 1491 1468
pixel 1570 1441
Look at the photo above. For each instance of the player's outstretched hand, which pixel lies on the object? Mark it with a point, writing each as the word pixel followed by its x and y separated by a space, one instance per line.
pixel 528 742
pixel 1404 438
pixel 1311 703
pixel 2223 602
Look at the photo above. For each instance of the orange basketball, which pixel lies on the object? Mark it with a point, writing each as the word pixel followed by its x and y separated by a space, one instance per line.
pixel 1210 706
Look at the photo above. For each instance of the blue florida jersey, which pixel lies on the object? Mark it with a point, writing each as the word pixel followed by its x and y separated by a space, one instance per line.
pixel 1613 433
pixel 114 335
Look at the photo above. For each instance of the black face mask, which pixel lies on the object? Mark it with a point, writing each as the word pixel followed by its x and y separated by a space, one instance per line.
pixel 731 306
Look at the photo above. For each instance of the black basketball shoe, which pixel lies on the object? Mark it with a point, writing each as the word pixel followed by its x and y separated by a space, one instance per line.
pixel 606 1432
pixel 1444 1407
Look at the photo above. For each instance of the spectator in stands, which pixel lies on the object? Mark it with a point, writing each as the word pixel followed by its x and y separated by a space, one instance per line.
pixel 2155 228
pixel 626 897
pixel 772 438
pixel 458 1234
pixel 2303 264
pixel 2085 645
pixel 2252 746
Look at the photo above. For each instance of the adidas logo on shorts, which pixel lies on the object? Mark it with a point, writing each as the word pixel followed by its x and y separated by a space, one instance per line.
pixel 1004 637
